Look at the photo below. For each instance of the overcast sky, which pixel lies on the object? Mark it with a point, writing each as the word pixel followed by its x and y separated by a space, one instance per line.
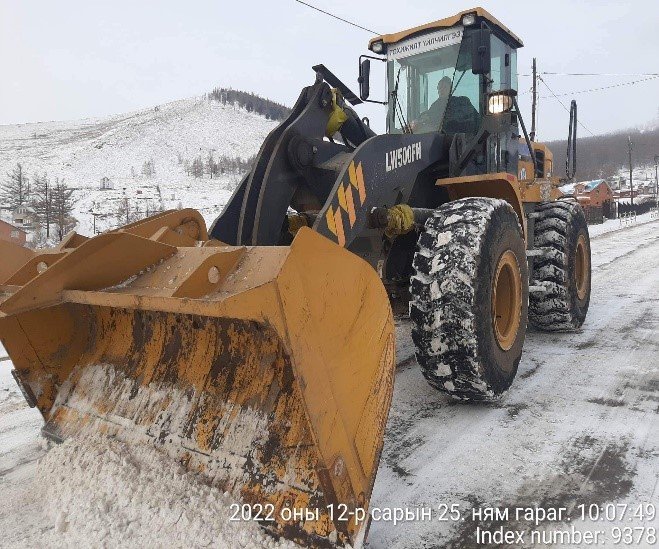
pixel 63 59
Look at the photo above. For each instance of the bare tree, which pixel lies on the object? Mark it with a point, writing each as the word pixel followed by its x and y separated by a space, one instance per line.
pixel 136 210
pixel 122 212
pixel 149 168
pixel 42 201
pixel 16 190
pixel 211 166
pixel 198 167
pixel 63 204
pixel 39 239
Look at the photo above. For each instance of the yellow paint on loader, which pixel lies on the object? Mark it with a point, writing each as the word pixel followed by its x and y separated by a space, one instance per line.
pixel 12 257
pixel 256 366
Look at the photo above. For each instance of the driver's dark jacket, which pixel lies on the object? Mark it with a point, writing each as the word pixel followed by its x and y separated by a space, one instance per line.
pixel 460 117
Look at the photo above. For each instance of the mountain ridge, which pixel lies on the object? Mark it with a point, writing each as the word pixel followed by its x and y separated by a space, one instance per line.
pixel 167 139
pixel 604 156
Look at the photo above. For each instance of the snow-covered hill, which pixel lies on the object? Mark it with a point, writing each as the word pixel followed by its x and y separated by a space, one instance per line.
pixel 85 151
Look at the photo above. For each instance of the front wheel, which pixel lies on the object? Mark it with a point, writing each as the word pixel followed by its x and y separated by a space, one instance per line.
pixel 470 298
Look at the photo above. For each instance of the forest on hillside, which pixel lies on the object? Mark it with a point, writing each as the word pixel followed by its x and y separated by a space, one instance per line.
pixel 251 102
pixel 602 156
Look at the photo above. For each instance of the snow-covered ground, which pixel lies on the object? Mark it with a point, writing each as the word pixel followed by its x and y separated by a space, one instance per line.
pixel 20 447
pixel 579 426
pixel 82 152
pixel 610 225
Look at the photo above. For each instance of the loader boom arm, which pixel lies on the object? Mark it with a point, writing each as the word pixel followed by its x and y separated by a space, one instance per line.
pixel 295 168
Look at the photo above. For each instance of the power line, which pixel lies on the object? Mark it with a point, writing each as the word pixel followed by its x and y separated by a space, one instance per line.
pixel 619 85
pixel 610 87
pixel 337 17
pixel 562 105
pixel 594 74
pixel 602 73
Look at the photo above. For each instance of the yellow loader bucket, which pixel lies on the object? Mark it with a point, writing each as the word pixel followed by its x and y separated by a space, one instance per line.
pixel 12 257
pixel 267 369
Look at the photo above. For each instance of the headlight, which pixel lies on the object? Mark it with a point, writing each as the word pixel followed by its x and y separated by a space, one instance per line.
pixel 469 19
pixel 499 102
pixel 377 47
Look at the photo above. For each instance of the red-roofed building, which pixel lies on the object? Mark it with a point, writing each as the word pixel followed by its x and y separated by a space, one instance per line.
pixel 596 197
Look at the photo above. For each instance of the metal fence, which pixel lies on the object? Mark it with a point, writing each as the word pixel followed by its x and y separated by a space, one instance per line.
pixel 638 209
pixel 627 218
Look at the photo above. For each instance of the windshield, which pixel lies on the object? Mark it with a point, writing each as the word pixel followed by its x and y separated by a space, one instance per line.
pixel 431 86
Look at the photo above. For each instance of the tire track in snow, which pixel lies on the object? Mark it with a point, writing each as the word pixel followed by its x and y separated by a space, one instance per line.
pixel 441 451
pixel 554 438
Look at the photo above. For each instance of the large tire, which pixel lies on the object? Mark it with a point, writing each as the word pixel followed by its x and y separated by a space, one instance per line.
pixel 470 263
pixel 564 269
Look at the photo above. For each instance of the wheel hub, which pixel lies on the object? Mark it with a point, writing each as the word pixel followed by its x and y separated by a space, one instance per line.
pixel 507 300
pixel 581 267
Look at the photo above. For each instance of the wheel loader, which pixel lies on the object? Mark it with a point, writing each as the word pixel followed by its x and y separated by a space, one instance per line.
pixel 261 353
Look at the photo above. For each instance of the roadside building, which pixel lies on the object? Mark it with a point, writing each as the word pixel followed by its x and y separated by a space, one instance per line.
pixel 597 199
pixel 601 195
pixel 12 234
pixel 647 188
pixel 24 217
pixel 625 193
pixel 106 184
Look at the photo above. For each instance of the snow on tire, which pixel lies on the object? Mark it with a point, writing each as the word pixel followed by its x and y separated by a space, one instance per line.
pixel 564 269
pixel 470 298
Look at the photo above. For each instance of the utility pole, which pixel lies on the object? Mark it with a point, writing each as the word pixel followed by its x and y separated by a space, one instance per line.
pixel 631 181
pixel 49 199
pixel 656 178
pixel 95 215
pixel 535 99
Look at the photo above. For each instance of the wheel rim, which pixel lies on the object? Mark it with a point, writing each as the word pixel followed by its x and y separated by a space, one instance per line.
pixel 507 300
pixel 581 267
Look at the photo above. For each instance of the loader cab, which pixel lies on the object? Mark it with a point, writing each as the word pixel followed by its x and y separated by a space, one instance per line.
pixel 478 56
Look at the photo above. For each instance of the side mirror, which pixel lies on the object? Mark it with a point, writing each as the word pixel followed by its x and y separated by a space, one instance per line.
pixel 364 79
pixel 480 51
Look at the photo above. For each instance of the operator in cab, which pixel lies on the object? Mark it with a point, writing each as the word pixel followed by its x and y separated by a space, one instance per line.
pixel 450 113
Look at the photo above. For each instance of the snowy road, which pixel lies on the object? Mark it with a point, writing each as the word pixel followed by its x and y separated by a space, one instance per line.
pixel 579 425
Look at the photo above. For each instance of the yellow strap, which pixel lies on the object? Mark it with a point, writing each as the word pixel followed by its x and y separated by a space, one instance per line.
pixel 296 222
pixel 400 220
pixel 337 117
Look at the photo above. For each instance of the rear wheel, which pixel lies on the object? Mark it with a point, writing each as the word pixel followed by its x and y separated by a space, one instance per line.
pixel 469 298
pixel 564 268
